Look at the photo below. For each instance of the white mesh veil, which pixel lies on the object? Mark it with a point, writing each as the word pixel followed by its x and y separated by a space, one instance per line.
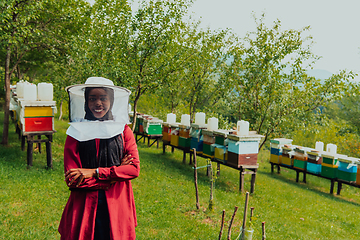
pixel 82 129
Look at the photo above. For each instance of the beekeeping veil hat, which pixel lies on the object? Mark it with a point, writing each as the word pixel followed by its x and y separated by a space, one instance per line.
pixel 84 128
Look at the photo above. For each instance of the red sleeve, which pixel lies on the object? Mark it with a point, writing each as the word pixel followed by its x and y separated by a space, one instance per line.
pixel 72 160
pixel 125 172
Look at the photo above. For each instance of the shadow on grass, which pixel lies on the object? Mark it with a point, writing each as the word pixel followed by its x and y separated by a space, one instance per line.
pixel 12 155
pixel 309 187
pixel 174 165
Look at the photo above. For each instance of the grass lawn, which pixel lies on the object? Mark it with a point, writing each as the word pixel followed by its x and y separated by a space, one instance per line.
pixel 32 200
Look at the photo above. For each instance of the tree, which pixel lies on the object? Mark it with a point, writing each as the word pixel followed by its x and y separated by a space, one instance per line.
pixel 205 77
pixel 32 32
pixel 137 50
pixel 346 109
pixel 155 48
pixel 271 86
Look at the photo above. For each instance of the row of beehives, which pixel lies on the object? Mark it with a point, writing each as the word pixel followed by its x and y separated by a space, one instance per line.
pixel 147 124
pixel 33 107
pixel 326 163
pixel 233 147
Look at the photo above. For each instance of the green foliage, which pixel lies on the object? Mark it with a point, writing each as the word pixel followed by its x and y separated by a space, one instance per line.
pixel 270 81
pixel 329 131
pixel 38 32
pixel 204 80
pixel 347 109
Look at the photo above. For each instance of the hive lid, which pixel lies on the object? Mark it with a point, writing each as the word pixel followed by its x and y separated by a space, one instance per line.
pixel 313 153
pixel 249 138
pixel 207 132
pixel 222 132
pixel 26 103
pixel 281 141
pixel 174 124
pixel 345 159
pixel 153 120
pixel 299 150
pixel 288 147
pixel 200 126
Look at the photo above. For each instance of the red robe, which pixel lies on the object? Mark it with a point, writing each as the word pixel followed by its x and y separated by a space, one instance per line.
pixel 78 219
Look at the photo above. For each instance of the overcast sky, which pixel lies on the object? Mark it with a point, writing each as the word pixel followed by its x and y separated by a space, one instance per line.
pixel 334 24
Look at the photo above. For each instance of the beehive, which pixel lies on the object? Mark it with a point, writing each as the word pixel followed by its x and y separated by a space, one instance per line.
pixel 287 157
pixel 36 116
pixel 313 168
pixel 221 153
pixel 276 149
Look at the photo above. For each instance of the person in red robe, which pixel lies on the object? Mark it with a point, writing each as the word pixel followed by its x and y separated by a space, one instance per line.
pixel 98 171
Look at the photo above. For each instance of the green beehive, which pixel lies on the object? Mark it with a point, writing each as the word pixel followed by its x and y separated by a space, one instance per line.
pixel 299 164
pixel 329 171
pixel 329 159
pixel 152 126
pixel 208 149
pixel 184 142
pixel 154 129
pixel 220 136
pixel 347 176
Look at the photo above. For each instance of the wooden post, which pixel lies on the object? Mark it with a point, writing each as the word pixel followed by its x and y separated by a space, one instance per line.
pixel 49 151
pixel 191 158
pixel 332 186
pixel 263 231
pixel 245 210
pixel 297 176
pixel 29 150
pixel 222 224
pixel 241 181
pixel 195 179
pixel 339 188
pixel 231 221
pixel 211 201
pixel 23 139
pixel 251 213
pixel 39 144
pixel 253 177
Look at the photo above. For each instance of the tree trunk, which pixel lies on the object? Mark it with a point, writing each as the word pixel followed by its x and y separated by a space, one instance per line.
pixel 5 136
pixel 61 107
pixel 135 108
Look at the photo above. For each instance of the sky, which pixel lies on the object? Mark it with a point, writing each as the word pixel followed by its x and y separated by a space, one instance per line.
pixel 334 24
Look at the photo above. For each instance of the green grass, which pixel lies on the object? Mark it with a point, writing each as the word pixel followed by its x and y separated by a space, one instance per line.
pixel 32 200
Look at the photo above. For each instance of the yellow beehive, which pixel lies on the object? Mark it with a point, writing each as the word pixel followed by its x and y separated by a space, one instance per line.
pixel 45 111
pixel 174 140
pixel 275 158
pixel 221 153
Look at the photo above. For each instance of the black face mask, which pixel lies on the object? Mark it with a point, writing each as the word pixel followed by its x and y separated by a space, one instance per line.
pixel 89 115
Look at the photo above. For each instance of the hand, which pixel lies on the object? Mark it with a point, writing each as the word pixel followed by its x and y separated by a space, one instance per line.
pixel 126 160
pixel 79 174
